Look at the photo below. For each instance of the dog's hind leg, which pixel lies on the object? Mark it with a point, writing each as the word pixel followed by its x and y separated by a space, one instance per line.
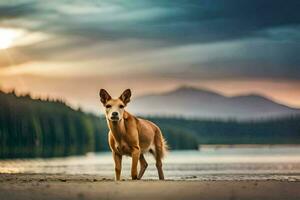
pixel 159 168
pixel 143 165
pixel 160 149
pixel 158 158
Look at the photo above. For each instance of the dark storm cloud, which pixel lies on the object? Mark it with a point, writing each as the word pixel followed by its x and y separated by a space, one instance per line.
pixel 16 10
pixel 269 27
pixel 186 21
pixel 175 21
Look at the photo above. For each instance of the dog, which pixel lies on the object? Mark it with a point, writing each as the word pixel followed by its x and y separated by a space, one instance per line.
pixel 131 136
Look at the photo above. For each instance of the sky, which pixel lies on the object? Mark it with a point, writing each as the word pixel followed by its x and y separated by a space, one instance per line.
pixel 70 49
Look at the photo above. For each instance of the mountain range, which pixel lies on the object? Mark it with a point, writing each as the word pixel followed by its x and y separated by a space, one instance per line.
pixel 202 103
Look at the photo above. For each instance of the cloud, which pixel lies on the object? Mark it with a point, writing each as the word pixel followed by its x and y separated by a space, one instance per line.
pixel 178 22
pixel 16 10
pixel 188 39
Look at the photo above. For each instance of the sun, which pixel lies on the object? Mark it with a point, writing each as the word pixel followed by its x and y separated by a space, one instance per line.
pixel 7 37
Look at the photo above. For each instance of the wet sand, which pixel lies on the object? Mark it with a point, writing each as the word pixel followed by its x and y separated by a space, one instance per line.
pixel 54 186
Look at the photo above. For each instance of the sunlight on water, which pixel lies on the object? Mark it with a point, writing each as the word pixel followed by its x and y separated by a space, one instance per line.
pixel 205 164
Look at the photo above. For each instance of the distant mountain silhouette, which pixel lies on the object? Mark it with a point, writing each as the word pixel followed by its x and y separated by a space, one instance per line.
pixel 194 102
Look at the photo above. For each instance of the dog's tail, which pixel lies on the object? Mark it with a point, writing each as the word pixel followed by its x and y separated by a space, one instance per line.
pixel 161 146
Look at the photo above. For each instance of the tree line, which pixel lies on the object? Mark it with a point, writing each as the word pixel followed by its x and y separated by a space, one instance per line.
pixel 284 130
pixel 46 128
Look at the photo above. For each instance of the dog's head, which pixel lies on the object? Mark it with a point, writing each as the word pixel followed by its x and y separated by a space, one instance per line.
pixel 114 108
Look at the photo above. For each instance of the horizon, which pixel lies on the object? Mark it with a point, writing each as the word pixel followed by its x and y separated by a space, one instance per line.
pixel 182 87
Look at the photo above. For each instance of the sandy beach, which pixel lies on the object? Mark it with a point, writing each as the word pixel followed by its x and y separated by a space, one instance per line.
pixel 42 186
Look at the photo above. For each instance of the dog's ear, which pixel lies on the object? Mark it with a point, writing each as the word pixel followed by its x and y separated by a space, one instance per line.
pixel 125 96
pixel 104 96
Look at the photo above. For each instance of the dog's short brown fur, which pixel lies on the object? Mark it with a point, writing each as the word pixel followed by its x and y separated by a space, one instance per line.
pixel 132 136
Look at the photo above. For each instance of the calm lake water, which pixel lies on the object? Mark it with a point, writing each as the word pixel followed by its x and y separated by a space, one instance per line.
pixel 276 163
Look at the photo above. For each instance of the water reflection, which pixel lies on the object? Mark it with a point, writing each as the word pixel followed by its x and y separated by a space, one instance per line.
pixel 206 164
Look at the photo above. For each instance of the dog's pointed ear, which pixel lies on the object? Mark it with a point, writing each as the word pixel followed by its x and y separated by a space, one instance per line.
pixel 104 96
pixel 125 96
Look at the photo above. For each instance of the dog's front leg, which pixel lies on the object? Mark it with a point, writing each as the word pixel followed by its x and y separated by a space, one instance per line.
pixel 135 158
pixel 118 165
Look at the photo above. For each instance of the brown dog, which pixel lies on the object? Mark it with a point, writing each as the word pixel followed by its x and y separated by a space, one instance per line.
pixel 132 136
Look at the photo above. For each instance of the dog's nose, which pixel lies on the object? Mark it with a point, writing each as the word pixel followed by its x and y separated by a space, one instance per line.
pixel 114 114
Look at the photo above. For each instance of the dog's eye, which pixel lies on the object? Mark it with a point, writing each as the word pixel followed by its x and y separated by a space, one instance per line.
pixel 108 106
pixel 121 106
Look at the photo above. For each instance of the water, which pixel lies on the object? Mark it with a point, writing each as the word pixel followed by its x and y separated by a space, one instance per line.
pixel 276 163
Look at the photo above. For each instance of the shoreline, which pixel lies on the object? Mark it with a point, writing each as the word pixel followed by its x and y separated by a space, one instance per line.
pixel 50 177
pixel 89 187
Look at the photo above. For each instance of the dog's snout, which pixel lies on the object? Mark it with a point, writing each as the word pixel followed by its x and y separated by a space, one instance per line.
pixel 114 114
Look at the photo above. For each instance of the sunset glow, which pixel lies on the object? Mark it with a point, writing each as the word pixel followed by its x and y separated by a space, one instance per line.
pixel 8 37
